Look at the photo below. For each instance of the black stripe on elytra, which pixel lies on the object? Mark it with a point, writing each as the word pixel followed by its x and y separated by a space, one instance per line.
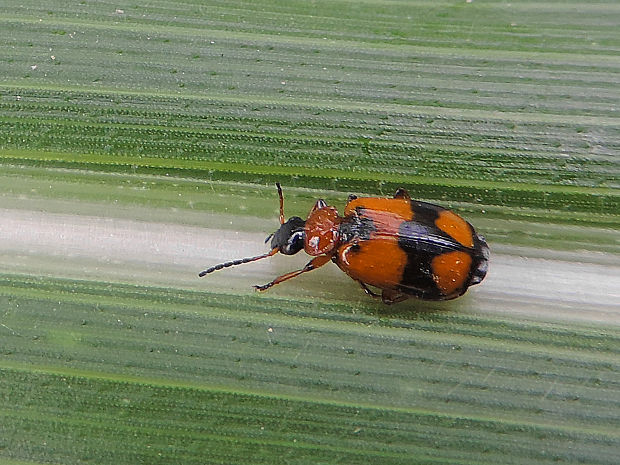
pixel 479 252
pixel 428 213
pixel 424 212
pixel 422 240
pixel 417 278
pixel 422 234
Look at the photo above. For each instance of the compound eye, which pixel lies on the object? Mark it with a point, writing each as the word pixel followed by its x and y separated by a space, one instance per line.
pixel 294 243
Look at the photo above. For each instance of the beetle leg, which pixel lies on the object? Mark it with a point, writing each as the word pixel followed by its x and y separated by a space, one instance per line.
pixel 318 205
pixel 402 193
pixel 368 291
pixel 390 296
pixel 313 264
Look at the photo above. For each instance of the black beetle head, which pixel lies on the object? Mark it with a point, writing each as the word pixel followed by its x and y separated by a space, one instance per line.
pixel 289 239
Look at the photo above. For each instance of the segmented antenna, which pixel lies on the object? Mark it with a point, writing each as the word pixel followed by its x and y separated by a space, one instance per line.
pixel 240 261
pixel 281 203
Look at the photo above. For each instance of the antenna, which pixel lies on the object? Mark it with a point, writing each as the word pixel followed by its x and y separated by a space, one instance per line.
pixel 281 202
pixel 240 261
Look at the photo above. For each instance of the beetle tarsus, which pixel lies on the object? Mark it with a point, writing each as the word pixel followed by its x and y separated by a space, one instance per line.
pixel 389 296
pixel 264 287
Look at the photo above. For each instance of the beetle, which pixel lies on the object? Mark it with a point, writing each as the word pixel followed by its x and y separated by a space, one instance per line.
pixel 404 247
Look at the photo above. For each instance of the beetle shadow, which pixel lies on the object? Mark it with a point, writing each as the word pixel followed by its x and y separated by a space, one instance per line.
pixel 350 298
pixel 413 309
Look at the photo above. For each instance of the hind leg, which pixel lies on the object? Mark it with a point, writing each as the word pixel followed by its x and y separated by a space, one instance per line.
pixel 390 296
pixel 368 291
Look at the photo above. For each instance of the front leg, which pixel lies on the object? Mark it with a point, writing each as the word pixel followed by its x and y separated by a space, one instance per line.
pixel 401 193
pixel 313 264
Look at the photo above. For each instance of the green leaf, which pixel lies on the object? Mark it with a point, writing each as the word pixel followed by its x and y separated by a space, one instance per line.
pixel 140 144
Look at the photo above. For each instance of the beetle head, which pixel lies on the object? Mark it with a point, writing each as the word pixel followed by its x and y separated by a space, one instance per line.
pixel 289 238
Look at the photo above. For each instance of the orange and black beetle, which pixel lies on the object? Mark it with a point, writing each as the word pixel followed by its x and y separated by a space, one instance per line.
pixel 402 246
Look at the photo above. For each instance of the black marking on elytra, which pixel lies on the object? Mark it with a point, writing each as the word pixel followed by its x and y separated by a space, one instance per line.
pixel 414 238
pixel 356 227
pixel 417 279
pixel 422 241
pixel 424 212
